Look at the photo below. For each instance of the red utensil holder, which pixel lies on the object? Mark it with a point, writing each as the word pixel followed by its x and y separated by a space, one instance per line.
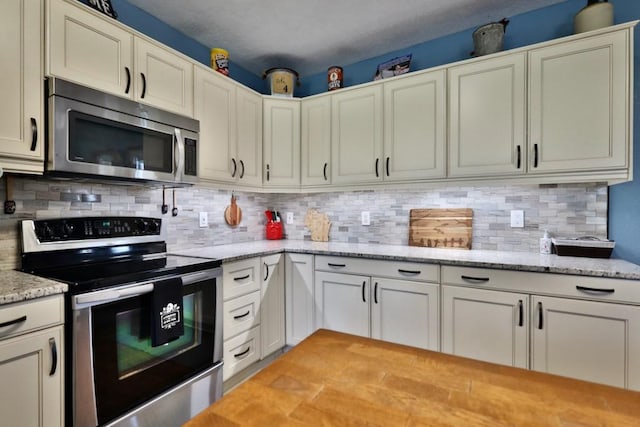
pixel 274 230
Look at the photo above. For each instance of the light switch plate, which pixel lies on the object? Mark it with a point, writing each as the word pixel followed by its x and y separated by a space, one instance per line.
pixel 517 219
pixel 203 220
pixel 289 217
pixel 365 218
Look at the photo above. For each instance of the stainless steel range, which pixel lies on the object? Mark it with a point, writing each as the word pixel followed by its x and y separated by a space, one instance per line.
pixel 143 327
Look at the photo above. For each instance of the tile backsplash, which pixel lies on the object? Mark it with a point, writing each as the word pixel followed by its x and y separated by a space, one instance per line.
pixel 564 210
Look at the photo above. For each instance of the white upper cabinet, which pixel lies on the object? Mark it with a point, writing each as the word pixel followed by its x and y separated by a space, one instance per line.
pixel 249 137
pixel 21 112
pixel 281 143
pixel 96 51
pixel 487 117
pixel 356 135
pixel 315 143
pixel 579 104
pixel 414 127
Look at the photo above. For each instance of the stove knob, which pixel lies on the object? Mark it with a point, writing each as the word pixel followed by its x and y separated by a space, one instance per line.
pixel 45 231
pixel 67 228
pixel 154 227
pixel 142 226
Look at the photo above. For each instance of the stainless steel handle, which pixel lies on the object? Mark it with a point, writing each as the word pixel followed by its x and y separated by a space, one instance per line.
pixel 34 134
pixel 108 295
pixel 179 153
pixel 144 85
pixel 54 356
pixel 13 322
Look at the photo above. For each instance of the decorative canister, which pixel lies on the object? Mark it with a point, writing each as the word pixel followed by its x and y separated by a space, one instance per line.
pixel 282 81
pixel 594 15
pixel 488 38
pixel 334 77
pixel 220 60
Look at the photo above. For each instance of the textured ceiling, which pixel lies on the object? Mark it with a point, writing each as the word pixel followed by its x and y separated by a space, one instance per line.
pixel 310 35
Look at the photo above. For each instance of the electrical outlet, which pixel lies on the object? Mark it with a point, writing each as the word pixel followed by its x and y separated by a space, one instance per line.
pixel 289 217
pixel 203 219
pixel 365 218
pixel 517 219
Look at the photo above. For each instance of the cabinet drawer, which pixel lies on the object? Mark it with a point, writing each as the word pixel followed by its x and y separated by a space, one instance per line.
pixel 392 269
pixel 241 314
pixel 240 278
pixel 583 287
pixel 240 352
pixel 30 315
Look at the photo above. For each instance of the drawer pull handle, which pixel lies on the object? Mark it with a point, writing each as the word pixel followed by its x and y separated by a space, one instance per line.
pixel 54 356
pixel 330 264
pixel 475 279
pixel 240 316
pixel 520 313
pixel 375 293
pixel 540 318
pixel 13 322
pixel 400 270
pixel 364 284
pixel 242 353
pixel 237 279
pixel 595 290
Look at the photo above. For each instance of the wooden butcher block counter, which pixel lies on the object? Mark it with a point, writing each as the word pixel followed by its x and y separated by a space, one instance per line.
pixel 333 379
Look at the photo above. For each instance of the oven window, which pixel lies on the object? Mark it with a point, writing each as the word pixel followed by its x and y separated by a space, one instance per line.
pixel 108 143
pixel 127 370
pixel 135 352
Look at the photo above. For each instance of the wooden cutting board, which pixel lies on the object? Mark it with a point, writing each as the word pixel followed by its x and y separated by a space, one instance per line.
pixel 440 228
pixel 233 213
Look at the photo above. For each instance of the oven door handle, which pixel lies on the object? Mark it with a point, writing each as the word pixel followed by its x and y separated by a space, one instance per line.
pixel 103 297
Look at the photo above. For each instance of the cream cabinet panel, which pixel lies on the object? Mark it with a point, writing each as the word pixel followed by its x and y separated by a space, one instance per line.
pixel 163 79
pixel 356 135
pixel 249 137
pixel 215 108
pixel 240 352
pixel 485 325
pixel 87 49
pixel 241 314
pixel 21 112
pixel 240 277
pixel 31 368
pixel 341 302
pixel 414 127
pixel 487 117
pixel 316 141
pixel 405 312
pixel 592 341
pixel 272 311
pixel 579 104
pixel 281 143
pixel 299 297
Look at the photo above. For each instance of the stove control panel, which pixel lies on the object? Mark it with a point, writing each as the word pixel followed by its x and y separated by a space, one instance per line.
pixel 63 229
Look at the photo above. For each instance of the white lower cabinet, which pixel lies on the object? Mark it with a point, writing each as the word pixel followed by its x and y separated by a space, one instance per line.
pixel 272 305
pixel 31 363
pixel 360 300
pixel 588 340
pixel 485 325
pixel 298 297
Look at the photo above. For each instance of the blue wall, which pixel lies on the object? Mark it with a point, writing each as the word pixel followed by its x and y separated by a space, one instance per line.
pixel 533 27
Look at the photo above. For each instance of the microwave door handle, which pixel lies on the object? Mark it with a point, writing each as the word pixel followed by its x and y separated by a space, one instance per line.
pixel 179 153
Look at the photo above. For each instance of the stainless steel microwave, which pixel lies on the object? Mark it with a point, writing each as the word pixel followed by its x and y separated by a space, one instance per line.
pixel 97 135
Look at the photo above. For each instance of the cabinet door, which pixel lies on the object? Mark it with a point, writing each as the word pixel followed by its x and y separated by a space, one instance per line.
pixel 579 104
pixel 281 144
pixel 299 297
pixel 405 312
pixel 87 49
pixel 592 341
pixel 215 108
pixel 342 302
pixel 31 368
pixel 487 117
pixel 356 135
pixel 414 127
pixel 316 141
pixel 485 325
pixel 272 306
pixel 249 136
pixel 21 111
pixel 163 79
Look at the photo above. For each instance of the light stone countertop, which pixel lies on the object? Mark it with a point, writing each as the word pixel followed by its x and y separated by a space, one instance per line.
pixel 18 286
pixel 519 261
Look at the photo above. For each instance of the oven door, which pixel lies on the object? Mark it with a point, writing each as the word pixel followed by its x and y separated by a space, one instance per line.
pixel 115 367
